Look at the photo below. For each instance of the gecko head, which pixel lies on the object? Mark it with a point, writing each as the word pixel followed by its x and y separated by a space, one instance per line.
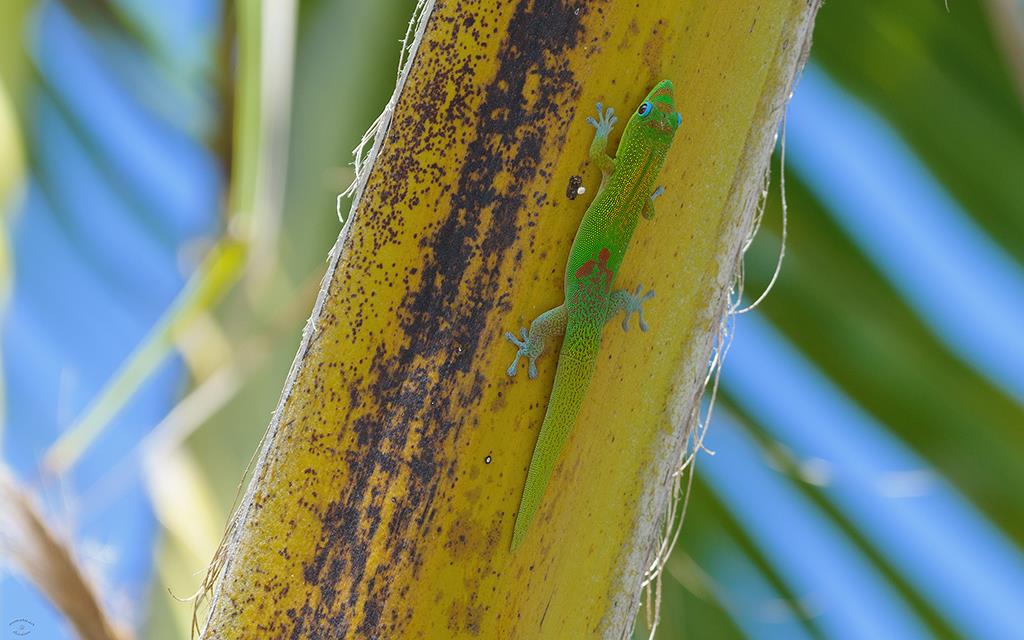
pixel 657 116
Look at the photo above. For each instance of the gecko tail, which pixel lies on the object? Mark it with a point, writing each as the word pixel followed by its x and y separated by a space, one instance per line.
pixel 571 381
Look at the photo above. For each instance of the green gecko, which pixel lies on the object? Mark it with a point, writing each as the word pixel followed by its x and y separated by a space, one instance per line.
pixel 627 192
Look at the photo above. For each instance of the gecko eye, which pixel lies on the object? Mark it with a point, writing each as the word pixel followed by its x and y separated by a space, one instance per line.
pixel 679 119
pixel 644 109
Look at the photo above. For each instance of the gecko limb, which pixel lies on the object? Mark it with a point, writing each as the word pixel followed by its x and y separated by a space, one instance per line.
pixel 648 211
pixel 549 324
pixel 599 147
pixel 623 300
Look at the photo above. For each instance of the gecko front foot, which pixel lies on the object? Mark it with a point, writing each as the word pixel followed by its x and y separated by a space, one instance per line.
pixel 605 120
pixel 634 304
pixel 527 350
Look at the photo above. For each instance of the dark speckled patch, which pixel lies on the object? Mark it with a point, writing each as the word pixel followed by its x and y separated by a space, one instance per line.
pixel 415 387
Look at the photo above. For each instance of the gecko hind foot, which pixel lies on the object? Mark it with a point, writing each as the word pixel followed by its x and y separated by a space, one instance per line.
pixel 605 120
pixel 648 210
pixel 525 351
pixel 635 305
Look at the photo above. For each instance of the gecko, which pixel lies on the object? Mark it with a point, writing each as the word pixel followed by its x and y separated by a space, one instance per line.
pixel 627 192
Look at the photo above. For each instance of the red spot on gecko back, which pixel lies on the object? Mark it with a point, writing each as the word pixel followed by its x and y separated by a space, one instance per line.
pixel 602 265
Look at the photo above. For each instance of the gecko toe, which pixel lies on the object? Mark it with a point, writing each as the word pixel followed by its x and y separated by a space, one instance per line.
pixel 521 345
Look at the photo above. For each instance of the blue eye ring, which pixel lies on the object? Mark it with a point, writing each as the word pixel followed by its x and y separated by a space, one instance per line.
pixel 679 119
pixel 645 109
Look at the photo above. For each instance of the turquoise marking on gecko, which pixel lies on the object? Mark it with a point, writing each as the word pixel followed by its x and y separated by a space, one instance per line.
pixel 627 192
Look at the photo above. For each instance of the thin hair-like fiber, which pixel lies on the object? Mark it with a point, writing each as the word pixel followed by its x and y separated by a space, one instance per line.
pixel 364 151
pixel 674 516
